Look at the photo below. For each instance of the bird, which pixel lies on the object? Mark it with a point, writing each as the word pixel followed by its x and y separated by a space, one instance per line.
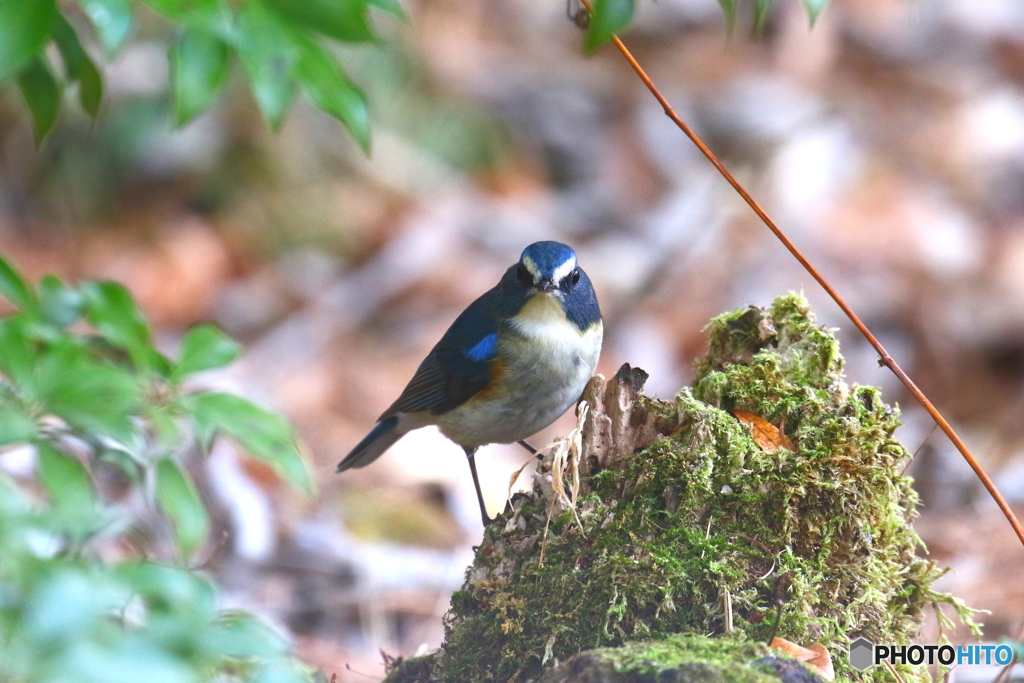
pixel 511 364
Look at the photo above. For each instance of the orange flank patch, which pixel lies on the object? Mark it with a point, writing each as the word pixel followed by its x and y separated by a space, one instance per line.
pixel 494 386
pixel 769 437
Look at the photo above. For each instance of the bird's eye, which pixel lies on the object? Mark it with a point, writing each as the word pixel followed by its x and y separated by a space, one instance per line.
pixel 523 275
pixel 574 277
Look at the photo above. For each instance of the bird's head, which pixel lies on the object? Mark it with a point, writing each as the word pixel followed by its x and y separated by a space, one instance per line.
pixel 548 268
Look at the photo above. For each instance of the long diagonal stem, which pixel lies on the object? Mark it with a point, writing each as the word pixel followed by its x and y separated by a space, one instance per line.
pixel 883 356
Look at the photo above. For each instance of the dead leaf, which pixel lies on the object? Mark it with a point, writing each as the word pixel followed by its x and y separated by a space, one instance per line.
pixel 769 437
pixel 515 475
pixel 822 664
pixel 797 652
pixel 815 657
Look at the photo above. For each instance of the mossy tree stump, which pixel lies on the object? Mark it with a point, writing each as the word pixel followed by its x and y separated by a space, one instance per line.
pixel 684 521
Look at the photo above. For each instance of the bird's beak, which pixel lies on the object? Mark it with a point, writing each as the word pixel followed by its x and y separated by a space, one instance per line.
pixel 546 285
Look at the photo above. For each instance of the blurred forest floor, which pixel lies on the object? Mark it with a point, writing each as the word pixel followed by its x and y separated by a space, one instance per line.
pixel 888 141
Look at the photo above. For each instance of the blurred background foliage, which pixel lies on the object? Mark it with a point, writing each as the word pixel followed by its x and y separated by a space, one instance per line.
pixel 113 429
pixel 888 140
pixel 279 43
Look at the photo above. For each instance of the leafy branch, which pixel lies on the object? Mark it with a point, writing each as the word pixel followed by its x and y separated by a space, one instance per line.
pixel 79 370
pixel 82 385
pixel 283 47
pixel 608 17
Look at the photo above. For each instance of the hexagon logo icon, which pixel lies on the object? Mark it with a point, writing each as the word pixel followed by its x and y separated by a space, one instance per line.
pixel 862 653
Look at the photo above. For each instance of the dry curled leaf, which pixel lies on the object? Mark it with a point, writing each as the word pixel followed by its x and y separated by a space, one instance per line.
pixel 815 657
pixel 768 436
pixel 515 475
pixel 822 664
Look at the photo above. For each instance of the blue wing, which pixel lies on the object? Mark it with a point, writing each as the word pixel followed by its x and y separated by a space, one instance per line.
pixel 459 366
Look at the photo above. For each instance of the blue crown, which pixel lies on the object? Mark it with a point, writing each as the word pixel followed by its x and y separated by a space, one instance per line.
pixel 546 257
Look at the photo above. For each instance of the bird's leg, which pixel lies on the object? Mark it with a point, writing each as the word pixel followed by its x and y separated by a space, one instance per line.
pixel 528 447
pixel 471 456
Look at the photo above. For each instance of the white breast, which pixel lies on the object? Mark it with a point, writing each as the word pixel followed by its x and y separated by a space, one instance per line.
pixel 543 322
pixel 546 364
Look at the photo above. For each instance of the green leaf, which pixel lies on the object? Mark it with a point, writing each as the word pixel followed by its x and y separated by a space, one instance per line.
pixel 13 501
pixel 112 20
pixel 815 8
pixel 268 53
pixel 280 671
pixel 341 19
pixel 199 67
pixel 67 603
pixel 389 6
pixel 180 501
pixel 609 17
pixel 241 636
pixel 133 658
pixel 13 288
pixel 186 9
pixel 125 461
pixel 59 304
pixel 16 426
pixel 264 434
pixel 65 480
pixel 730 9
pixel 24 28
pixel 163 426
pixel 92 396
pixel 79 66
pixel 175 9
pixel 761 10
pixel 42 93
pixel 167 590
pixel 204 348
pixel 18 359
pixel 111 310
pixel 324 84
pixel 214 15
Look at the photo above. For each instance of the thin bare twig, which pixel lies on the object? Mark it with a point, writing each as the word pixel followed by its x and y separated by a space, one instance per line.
pixel 884 359
pixel 727 609
pixel 893 671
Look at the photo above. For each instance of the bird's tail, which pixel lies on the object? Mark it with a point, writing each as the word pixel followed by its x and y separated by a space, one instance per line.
pixel 383 436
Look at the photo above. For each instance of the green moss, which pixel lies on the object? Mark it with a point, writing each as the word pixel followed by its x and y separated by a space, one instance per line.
pixel 675 650
pixel 822 535
pixel 723 660
pixel 412 670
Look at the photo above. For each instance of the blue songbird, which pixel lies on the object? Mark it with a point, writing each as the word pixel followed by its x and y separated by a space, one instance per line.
pixel 509 366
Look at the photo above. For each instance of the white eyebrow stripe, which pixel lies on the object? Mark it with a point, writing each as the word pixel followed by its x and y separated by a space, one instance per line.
pixel 563 270
pixel 532 267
